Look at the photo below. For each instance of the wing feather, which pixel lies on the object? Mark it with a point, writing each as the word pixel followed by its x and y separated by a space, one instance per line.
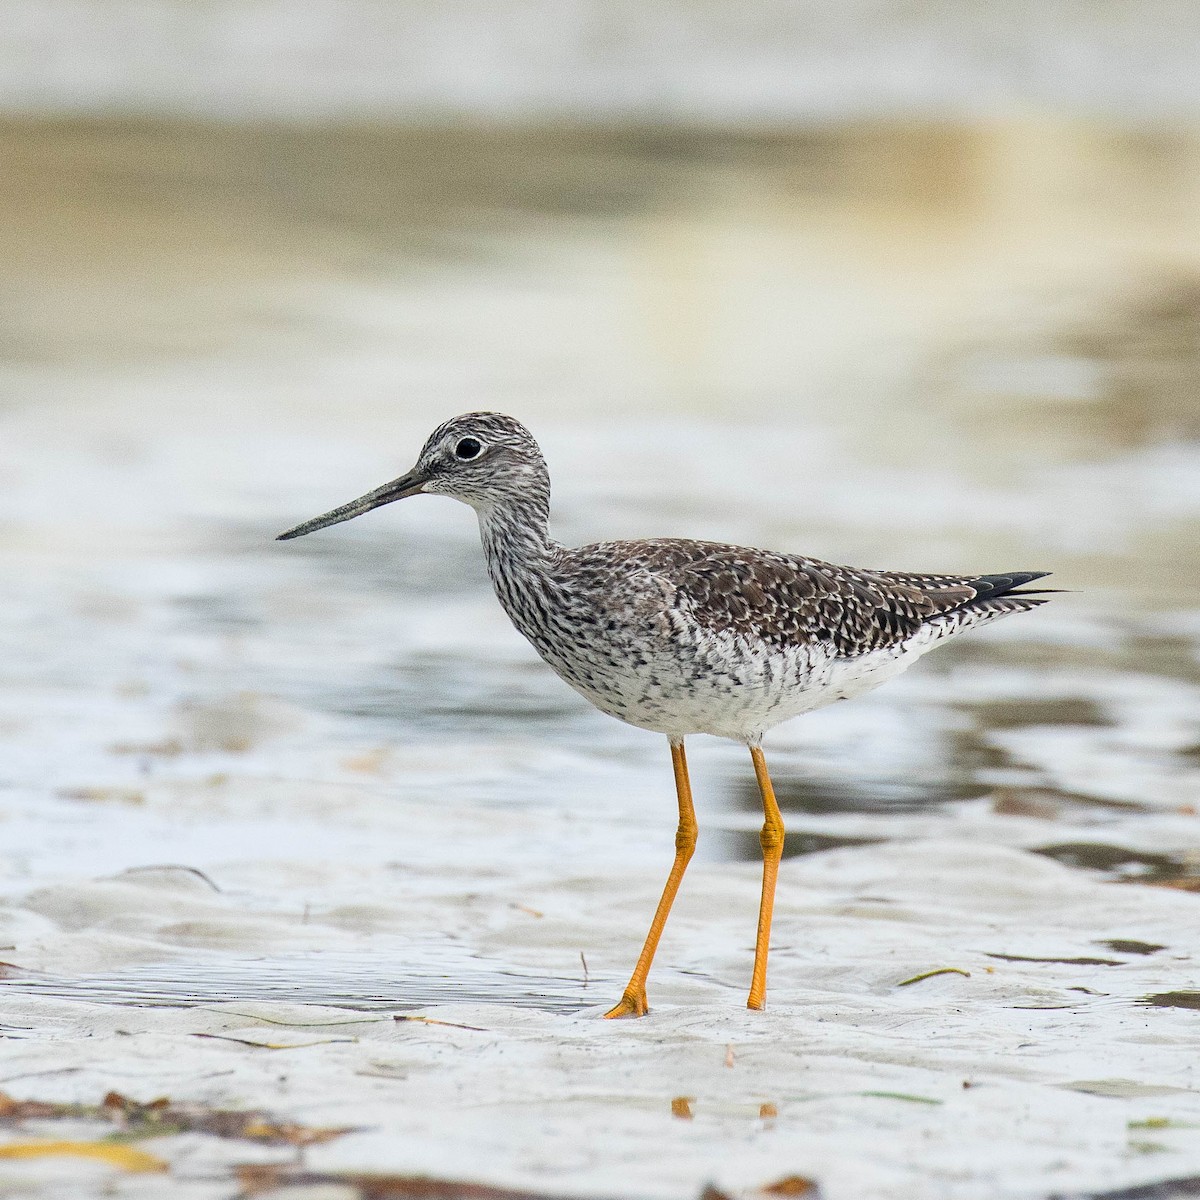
pixel 789 600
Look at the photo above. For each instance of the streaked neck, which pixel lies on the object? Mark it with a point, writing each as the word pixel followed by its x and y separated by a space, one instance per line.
pixel 516 531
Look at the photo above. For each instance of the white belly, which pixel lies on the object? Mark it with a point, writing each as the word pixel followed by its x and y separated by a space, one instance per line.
pixel 733 687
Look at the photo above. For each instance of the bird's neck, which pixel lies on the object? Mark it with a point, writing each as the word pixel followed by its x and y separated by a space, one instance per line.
pixel 516 535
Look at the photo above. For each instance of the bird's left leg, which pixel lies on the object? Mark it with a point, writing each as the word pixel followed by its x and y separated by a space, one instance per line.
pixel 633 1003
pixel 772 848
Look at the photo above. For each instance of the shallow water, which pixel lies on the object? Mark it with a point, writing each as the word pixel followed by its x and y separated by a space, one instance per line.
pixel 932 347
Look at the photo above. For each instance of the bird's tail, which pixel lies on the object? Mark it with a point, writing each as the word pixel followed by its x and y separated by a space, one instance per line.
pixel 996 596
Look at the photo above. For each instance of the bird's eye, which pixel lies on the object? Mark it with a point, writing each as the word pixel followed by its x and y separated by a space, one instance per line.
pixel 468 449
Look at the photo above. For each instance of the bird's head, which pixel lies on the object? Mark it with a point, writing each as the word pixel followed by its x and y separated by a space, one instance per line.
pixel 483 459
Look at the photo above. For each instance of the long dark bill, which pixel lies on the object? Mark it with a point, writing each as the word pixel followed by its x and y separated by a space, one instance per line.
pixel 398 489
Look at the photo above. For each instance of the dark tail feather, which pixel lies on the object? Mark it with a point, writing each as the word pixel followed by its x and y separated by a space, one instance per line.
pixel 992 587
pixel 994 596
pixel 998 595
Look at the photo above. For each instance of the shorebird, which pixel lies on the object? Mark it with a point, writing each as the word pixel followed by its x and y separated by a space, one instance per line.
pixel 683 637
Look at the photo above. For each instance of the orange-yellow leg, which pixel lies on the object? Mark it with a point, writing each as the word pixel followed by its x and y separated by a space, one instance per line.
pixel 633 1003
pixel 772 848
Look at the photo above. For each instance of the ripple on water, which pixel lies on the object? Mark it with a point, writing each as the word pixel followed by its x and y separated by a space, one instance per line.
pixel 442 973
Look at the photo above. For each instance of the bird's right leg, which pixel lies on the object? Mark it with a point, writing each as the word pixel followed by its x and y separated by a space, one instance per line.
pixel 633 1003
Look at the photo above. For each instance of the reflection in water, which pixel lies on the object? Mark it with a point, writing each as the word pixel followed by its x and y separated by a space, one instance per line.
pixel 1013 714
pixel 1182 999
pixel 432 691
pixel 1132 946
pixel 744 844
pixel 1125 864
pixel 1117 650
pixel 1078 961
pixel 815 795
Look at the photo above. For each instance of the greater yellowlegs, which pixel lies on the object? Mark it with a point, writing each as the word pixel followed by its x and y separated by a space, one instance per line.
pixel 685 637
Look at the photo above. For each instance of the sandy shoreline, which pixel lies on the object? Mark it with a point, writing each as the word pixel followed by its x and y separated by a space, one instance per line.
pixel 1024 1078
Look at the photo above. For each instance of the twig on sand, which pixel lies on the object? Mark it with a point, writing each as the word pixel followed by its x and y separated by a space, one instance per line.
pixel 224 1037
pixel 364 1020
pixel 173 867
pixel 435 1021
pixel 930 974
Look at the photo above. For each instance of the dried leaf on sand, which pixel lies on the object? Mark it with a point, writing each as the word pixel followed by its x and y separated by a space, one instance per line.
pixel 259 1178
pixel 128 1158
pixel 793 1185
pixel 158 1118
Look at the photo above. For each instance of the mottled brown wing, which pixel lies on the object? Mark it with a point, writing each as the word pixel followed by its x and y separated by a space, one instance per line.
pixel 788 600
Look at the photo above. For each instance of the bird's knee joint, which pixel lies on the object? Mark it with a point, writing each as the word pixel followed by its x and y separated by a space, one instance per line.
pixel 771 837
pixel 685 841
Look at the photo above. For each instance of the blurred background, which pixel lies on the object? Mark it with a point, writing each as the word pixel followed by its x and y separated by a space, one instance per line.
pixel 909 286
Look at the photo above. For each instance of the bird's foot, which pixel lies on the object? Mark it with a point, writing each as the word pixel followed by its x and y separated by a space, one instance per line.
pixel 756 1002
pixel 631 1004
